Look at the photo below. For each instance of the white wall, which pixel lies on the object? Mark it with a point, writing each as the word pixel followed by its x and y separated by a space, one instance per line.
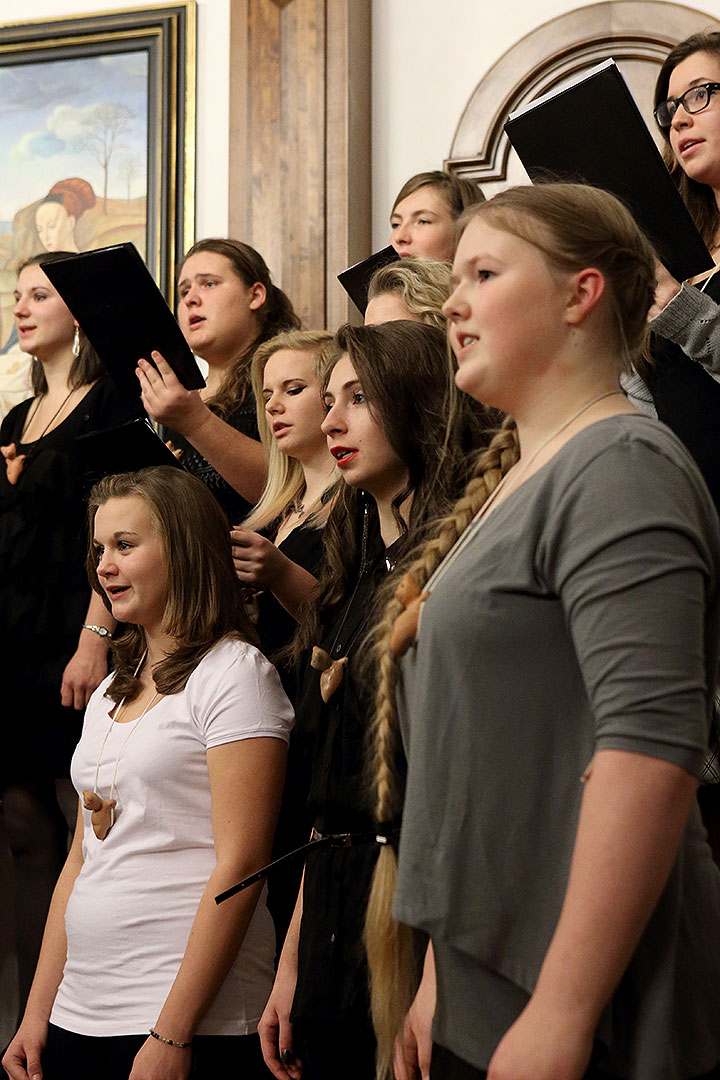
pixel 213 80
pixel 428 57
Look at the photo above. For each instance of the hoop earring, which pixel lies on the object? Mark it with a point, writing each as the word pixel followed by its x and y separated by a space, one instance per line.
pixel 76 343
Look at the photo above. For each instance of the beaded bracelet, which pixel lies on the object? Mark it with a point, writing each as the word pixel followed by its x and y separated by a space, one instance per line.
pixel 170 1042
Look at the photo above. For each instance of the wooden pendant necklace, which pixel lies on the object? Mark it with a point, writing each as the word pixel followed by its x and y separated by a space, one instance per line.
pixel 405 628
pixel 103 810
pixel 14 462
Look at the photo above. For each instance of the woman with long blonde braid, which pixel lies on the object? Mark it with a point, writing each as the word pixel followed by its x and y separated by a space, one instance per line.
pixel 554 698
pixel 392 953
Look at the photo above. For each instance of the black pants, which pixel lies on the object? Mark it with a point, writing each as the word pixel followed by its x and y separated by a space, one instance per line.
pixel 448 1066
pixel 332 1050
pixel 68 1056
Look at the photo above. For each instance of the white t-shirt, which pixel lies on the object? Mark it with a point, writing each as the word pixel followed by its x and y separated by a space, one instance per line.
pixel 133 903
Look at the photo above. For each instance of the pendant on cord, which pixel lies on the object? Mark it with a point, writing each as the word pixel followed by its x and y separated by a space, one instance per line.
pixel 102 815
pixel 331 671
pixel 405 626
pixel 13 462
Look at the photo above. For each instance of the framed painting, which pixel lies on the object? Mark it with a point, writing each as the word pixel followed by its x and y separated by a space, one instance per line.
pixel 97 139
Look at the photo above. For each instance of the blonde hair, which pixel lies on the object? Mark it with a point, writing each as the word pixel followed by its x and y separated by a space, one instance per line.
pixel 574 227
pixel 423 285
pixel 390 944
pixel 285 480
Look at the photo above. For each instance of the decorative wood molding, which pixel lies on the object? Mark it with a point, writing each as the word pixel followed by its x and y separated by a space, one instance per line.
pixel 300 144
pixel 553 54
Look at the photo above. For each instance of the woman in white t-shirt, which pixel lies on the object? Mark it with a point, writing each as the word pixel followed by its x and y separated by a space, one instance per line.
pixel 179 770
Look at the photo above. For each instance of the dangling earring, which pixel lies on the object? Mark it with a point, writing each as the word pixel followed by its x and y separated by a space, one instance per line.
pixel 76 343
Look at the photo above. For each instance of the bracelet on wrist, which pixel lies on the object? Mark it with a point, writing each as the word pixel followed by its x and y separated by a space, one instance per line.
pixel 170 1042
pixel 101 631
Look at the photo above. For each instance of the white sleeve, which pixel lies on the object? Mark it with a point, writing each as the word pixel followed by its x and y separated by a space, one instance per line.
pixel 235 693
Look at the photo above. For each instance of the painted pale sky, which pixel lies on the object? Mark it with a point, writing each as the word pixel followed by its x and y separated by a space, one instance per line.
pixel 44 108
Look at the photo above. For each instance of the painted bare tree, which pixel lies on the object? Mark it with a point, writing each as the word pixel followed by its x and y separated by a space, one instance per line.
pixel 129 171
pixel 108 122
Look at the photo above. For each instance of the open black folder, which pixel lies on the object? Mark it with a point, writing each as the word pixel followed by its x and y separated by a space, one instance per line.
pixel 592 131
pixel 111 293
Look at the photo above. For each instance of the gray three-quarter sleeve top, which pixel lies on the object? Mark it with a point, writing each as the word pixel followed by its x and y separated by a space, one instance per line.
pixel 582 616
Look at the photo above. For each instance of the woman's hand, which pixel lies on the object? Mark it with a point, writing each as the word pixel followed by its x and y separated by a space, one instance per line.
pixel 413 1046
pixel 166 400
pixel 85 670
pixel 156 1060
pixel 275 1029
pixel 543 1045
pixel 665 289
pixel 21 1060
pixel 257 561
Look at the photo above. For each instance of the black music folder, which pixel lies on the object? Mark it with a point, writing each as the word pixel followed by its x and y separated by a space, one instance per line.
pixel 591 131
pixel 356 279
pixel 126 448
pixel 112 295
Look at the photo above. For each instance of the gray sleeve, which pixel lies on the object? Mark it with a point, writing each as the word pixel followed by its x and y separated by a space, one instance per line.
pixel 692 320
pixel 632 564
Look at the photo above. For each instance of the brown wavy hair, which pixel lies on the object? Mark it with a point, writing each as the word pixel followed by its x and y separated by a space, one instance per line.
pixel 276 314
pixel 87 365
pixel 699 198
pixel 204 602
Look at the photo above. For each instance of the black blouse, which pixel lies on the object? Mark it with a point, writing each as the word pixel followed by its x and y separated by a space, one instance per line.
pixel 44 590
pixel 244 420
pixel 276 627
pixel 332 972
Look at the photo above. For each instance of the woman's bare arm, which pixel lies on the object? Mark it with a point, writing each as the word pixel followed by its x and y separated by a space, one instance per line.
pixel 239 459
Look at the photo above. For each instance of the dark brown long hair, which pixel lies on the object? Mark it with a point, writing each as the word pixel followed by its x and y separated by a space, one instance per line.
pixel 204 601
pixel 407 381
pixel 276 314
pixel 699 198
pixel 86 366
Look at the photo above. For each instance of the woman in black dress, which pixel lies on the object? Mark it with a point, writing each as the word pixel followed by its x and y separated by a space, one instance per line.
pixel 389 396
pixel 53 635
pixel 279 550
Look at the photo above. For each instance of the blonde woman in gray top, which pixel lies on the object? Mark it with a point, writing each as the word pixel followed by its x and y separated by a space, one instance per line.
pixel 554 701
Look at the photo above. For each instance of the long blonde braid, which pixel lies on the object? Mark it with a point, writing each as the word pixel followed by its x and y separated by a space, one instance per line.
pixel 389 944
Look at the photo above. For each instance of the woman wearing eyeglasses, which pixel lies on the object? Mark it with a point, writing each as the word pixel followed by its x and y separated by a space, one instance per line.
pixel 682 383
pixel 687 110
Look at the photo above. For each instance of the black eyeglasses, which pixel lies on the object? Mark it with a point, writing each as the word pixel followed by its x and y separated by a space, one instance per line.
pixel 693 100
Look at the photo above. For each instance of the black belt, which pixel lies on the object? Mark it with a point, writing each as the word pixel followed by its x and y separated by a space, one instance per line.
pixel 384 834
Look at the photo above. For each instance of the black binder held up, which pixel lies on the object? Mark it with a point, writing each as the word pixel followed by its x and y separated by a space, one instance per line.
pixel 356 279
pixel 592 131
pixel 112 295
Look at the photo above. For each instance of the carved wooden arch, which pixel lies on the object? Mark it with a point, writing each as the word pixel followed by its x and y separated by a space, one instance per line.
pixel 637 33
